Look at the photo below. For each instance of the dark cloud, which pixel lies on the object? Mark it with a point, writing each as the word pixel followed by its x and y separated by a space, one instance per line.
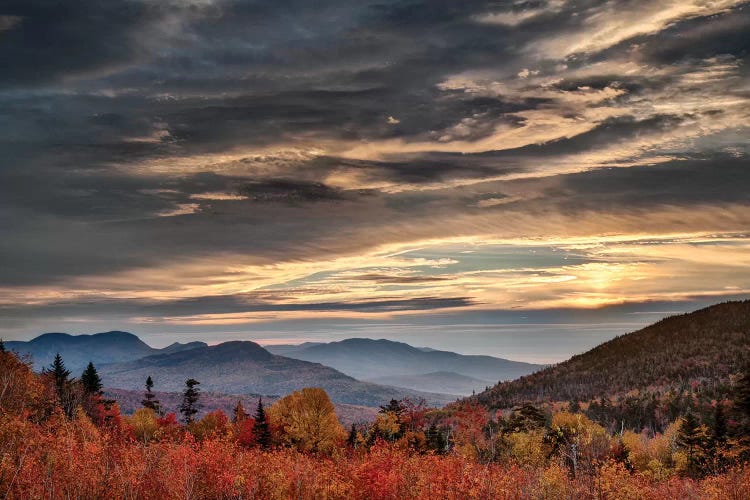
pixel 139 134
pixel 712 179
pixel 55 40
pixel 288 191
pixel 224 304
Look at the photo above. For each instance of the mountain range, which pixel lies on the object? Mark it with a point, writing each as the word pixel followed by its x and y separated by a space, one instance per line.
pixel 244 367
pixel 99 348
pixel 124 362
pixel 400 364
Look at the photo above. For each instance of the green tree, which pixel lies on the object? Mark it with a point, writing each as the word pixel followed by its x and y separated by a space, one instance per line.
pixel 90 380
pixel 189 406
pixel 60 376
pixel 719 425
pixel 351 440
pixel 262 428
pixel 527 417
pixel 435 439
pixel 742 402
pixel 149 398
pixel 691 437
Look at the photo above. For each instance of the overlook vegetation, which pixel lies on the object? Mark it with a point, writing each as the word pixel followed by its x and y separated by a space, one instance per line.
pixel 60 438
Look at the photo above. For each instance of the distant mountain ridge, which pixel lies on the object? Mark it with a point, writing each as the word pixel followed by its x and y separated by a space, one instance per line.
pixel 696 353
pixel 368 359
pixel 124 362
pixel 244 367
pixel 99 348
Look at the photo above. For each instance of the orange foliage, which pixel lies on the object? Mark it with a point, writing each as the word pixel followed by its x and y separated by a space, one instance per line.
pixel 49 455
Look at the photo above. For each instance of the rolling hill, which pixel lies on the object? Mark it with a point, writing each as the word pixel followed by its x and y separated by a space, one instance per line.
pixel 246 368
pixel 99 348
pixel 682 362
pixel 368 359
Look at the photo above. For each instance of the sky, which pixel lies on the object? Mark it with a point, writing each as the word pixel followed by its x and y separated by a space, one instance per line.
pixel 519 178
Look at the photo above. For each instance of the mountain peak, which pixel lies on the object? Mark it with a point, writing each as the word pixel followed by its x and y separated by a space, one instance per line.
pixel 240 349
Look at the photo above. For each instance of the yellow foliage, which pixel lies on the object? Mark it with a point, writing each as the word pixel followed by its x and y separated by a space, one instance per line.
pixel 654 457
pixel 308 421
pixel 528 448
pixel 615 482
pixel 554 483
pixel 387 424
pixel 144 424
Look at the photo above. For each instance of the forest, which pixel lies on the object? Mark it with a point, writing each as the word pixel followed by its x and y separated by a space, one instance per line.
pixel 59 438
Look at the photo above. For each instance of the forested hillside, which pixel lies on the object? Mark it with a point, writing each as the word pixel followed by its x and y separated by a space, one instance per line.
pixel 647 377
pixel 61 437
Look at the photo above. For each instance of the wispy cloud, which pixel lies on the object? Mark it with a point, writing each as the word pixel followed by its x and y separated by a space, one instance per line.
pixel 226 163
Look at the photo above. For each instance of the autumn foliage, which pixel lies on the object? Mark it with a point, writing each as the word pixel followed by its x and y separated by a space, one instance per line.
pixel 45 453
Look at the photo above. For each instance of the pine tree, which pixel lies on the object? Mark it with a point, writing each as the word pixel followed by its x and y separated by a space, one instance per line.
pixel 395 407
pixel 59 373
pixel 61 379
pixel 2 346
pixel 690 436
pixel 527 417
pixel 149 398
pixel 351 441
pixel 262 429
pixel 435 439
pixel 92 383
pixel 189 406
pixel 742 402
pixel 719 427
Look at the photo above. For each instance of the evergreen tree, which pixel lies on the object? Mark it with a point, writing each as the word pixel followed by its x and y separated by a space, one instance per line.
pixel 742 403
pixel 527 417
pixel 90 380
pixel 719 427
pixel 59 374
pixel 189 405
pixel 2 346
pixel 395 407
pixel 262 428
pixel 62 381
pixel 149 398
pixel 351 441
pixel 435 439
pixel 690 437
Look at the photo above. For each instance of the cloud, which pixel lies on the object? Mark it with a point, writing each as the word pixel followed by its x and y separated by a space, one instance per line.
pixel 180 155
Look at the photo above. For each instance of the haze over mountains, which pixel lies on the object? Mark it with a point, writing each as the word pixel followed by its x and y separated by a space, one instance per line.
pixel 397 363
pixel 241 367
pixel 246 368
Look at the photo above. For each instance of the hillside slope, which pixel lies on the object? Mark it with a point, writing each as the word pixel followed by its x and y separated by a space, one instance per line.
pixel 693 354
pixel 367 359
pixel 247 368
